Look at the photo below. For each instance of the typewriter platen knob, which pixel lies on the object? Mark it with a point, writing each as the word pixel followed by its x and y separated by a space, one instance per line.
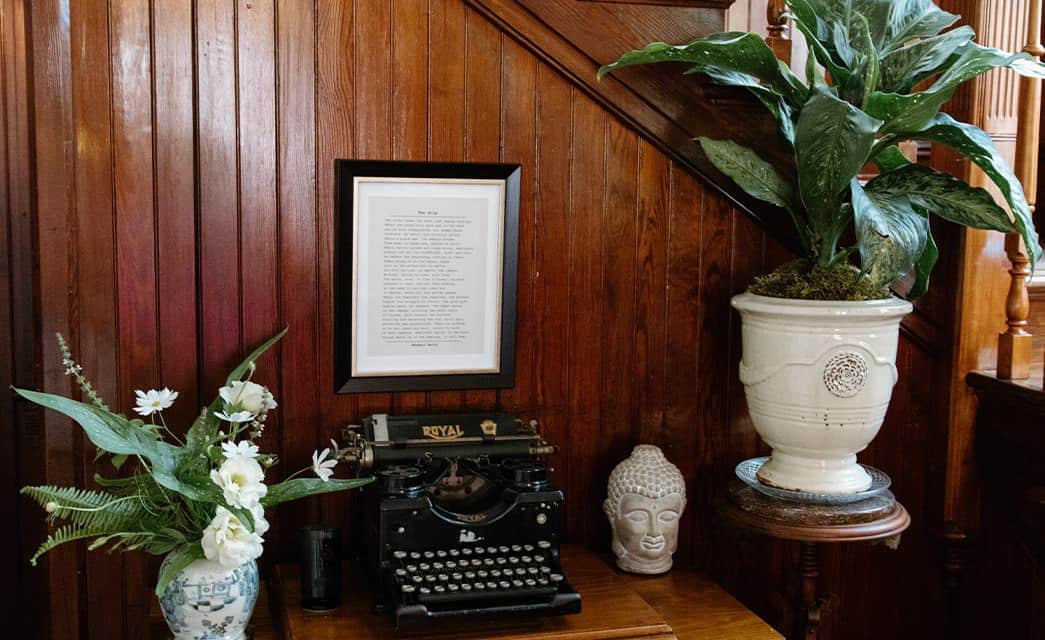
pixel 401 479
pixel 525 474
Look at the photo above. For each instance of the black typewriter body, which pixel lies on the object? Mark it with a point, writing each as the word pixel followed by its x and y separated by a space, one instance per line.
pixel 463 519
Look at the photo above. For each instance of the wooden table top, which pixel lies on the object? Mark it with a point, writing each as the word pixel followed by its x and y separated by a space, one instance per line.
pixel 682 604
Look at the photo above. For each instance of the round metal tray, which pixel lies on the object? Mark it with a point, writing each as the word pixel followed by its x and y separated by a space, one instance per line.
pixel 747 471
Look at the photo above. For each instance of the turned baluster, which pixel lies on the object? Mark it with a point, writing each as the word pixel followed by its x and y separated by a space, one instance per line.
pixel 1014 345
pixel 779 29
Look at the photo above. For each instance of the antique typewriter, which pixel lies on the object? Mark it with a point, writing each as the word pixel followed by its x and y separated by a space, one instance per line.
pixel 463 519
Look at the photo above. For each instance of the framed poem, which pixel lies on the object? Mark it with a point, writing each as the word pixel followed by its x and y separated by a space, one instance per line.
pixel 425 268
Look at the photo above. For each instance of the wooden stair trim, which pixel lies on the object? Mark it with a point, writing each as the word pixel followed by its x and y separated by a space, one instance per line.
pixel 643 113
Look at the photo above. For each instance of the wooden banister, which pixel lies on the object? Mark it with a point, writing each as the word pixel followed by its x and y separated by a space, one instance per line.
pixel 1014 345
pixel 778 30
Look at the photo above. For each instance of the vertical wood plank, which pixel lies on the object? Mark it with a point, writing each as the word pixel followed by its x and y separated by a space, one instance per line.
pixel 617 309
pixel 295 80
pixel 680 443
pixel 410 114
pixel 219 224
pixel 654 189
pixel 9 565
pixel 373 108
pixel 551 264
pixel 176 207
pixel 482 124
pixel 258 213
pixel 135 235
pixel 96 339
pixel 586 220
pixel 519 137
pixel 31 596
pixel 334 119
pixel 446 88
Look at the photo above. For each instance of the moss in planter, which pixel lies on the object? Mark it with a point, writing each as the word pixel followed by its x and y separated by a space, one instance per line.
pixel 801 280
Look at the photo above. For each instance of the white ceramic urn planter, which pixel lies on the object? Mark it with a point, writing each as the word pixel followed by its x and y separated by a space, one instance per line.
pixel 818 376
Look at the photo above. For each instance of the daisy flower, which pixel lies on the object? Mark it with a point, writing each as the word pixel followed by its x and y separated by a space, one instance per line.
pixel 154 400
pixel 321 466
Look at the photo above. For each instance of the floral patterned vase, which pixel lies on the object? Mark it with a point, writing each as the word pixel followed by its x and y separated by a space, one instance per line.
pixel 208 601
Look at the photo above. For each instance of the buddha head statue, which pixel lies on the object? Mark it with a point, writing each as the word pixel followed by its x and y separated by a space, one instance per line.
pixel 646 496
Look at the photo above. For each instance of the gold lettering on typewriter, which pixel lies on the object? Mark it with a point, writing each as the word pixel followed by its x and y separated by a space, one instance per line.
pixel 489 427
pixel 472 517
pixel 442 431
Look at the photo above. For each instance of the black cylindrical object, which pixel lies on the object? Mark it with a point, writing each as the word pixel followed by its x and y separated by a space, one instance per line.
pixel 320 555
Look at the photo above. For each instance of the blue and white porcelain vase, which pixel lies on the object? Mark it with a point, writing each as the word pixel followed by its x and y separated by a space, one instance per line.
pixel 208 601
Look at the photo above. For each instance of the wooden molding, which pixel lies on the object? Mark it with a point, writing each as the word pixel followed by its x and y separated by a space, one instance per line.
pixel 714 4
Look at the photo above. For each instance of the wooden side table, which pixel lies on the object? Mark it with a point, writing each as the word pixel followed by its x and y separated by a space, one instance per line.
pixel 682 605
pixel 878 519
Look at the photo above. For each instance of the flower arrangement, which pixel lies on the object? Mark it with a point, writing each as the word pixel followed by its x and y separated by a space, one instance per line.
pixel 201 496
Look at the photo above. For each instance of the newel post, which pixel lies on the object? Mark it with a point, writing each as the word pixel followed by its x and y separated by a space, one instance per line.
pixel 1014 345
pixel 779 30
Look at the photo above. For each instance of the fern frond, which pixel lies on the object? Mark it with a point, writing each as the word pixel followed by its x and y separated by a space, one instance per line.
pixel 61 535
pixel 95 510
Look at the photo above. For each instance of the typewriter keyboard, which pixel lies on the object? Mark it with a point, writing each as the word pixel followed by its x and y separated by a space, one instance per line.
pixel 464 574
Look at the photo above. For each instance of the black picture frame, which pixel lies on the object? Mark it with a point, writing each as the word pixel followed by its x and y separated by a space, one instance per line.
pixel 345 173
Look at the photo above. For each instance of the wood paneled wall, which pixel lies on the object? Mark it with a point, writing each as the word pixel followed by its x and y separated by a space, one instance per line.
pixel 169 203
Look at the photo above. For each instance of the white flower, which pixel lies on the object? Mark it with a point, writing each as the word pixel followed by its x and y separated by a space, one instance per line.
pixel 261 525
pixel 235 416
pixel 228 542
pixel 324 468
pixel 241 481
pixel 153 400
pixel 248 396
pixel 241 449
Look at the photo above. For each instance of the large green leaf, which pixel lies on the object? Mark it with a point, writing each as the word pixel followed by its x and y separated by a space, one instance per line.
pixel 297 488
pixel 909 65
pixel 755 176
pixel 866 61
pixel 924 266
pixel 106 430
pixel 976 145
pixel 175 563
pixel 745 53
pixel 832 142
pixel 773 101
pixel 896 22
pixel 890 233
pixel 910 112
pixel 943 195
pixel 819 38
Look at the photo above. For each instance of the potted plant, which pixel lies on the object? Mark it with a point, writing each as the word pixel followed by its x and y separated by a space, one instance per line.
pixel 820 333
pixel 200 500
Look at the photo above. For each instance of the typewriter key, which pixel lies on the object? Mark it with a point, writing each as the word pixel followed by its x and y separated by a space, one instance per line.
pixel 441 553
pixel 429 579
pixel 489 561
pixel 452 587
pixel 517 584
pixel 454 553
pixel 495 573
pixel 443 577
pixel 504 584
pixel 503 549
pixel 416 579
pixel 530 582
pixel 424 590
pixel 544 544
pixel 466 587
pixel 429 555
pixel 538 558
pixel 438 566
pixel 556 577
pixel 425 566
pixel 516 548
pixel 491 585
pixel 399 555
pixel 481 574
pixel 528 548
pixel 513 560
pixel 546 569
pixel 407 588
pixel 414 555
pixel 491 550
pixel 439 588
pixel 412 568
pixel 501 560
pixel 467 551
pixel 457 577
pixel 469 574
pixel 401 573
pixel 527 559
pixel 479 586
pixel 531 570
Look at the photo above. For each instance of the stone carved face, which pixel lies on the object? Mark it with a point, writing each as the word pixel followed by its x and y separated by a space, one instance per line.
pixel 646 499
